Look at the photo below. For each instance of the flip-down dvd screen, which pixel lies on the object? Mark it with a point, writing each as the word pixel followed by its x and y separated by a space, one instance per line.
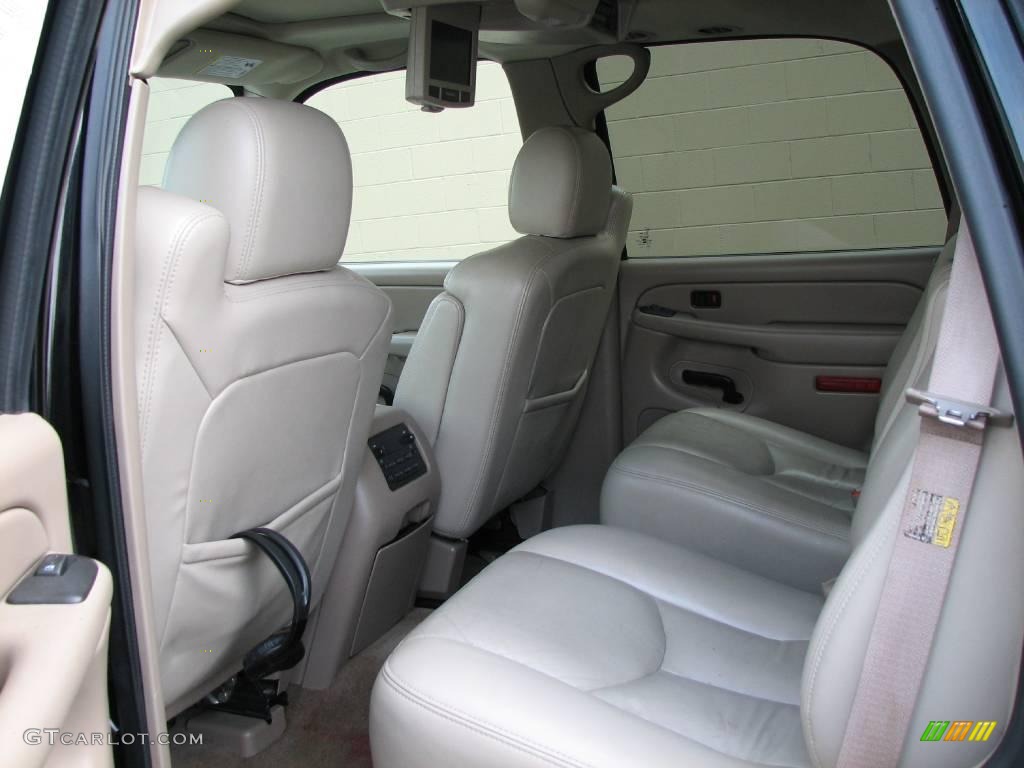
pixel 441 70
pixel 451 49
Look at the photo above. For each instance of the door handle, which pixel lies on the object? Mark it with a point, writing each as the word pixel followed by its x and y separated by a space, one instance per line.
pixel 715 381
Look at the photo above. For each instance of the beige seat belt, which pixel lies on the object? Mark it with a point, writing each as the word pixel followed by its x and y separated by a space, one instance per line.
pixel 954 418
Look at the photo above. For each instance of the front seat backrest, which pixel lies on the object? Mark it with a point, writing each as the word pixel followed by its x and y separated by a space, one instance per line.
pixel 500 363
pixel 258 361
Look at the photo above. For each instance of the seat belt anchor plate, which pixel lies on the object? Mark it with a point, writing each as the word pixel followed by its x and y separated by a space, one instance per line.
pixel 957 413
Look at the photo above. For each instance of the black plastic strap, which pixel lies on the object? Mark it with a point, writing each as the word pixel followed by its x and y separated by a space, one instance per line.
pixel 283 649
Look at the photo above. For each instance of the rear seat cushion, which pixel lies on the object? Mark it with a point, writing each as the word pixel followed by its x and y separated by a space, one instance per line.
pixel 771 499
pixel 595 646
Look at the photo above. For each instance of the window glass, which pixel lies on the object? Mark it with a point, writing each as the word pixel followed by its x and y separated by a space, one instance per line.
pixel 768 146
pixel 428 187
pixel 171 103
pixel 20 24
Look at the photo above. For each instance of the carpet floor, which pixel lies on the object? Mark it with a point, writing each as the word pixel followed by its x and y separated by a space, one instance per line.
pixel 325 728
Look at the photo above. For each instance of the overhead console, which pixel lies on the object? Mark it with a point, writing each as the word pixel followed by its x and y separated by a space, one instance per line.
pixel 444 38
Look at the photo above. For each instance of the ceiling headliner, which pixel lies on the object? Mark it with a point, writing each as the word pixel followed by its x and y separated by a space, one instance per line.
pixel 331 27
pixel 275 11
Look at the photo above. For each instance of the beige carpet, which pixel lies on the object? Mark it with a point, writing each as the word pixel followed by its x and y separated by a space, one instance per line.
pixel 325 728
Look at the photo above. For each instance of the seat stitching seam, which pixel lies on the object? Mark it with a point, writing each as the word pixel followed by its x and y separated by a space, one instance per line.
pixel 768 441
pixel 274 367
pixel 707 685
pixel 152 347
pixel 346 454
pixel 291 289
pixel 665 444
pixel 166 282
pixel 733 627
pixel 694 738
pixel 191 363
pixel 481 727
pixel 444 297
pixel 255 208
pixel 307 503
pixel 448 298
pixel 820 651
pixel 578 152
pixel 553 302
pixel 796 491
pixel 732 500
pixel 660 599
pixel 674 448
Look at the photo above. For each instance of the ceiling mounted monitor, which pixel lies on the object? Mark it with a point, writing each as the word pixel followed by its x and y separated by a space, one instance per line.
pixel 441 71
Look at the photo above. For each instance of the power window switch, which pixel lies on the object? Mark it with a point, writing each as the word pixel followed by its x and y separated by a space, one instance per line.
pixel 52 565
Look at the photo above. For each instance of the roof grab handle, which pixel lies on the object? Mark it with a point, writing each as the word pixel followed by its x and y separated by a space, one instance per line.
pixel 581 100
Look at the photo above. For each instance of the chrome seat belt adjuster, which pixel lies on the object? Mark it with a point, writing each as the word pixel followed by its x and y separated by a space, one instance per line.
pixel 957 413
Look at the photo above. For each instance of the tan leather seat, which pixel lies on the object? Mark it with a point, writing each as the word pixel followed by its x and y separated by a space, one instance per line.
pixel 258 362
pixel 760 495
pixel 602 647
pixel 497 373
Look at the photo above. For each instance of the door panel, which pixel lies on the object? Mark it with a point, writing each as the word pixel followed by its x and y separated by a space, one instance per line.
pixel 755 333
pixel 411 286
pixel 53 657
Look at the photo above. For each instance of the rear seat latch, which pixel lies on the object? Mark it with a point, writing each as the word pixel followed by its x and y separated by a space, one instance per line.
pixel 957 413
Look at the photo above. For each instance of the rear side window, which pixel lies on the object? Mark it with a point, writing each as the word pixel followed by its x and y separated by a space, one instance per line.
pixel 20 24
pixel 428 187
pixel 171 103
pixel 769 146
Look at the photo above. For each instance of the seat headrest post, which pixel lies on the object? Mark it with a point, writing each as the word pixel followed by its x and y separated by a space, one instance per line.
pixel 561 184
pixel 280 173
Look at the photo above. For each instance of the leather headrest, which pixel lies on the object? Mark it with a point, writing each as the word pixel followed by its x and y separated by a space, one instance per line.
pixel 561 182
pixel 280 173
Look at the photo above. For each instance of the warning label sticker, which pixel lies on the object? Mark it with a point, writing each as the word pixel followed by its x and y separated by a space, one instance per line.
pixel 933 518
pixel 230 66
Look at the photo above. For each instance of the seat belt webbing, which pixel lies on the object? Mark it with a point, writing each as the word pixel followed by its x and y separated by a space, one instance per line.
pixel 945 465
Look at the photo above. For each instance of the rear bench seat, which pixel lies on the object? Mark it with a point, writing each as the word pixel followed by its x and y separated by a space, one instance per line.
pixel 750 492
pixel 598 647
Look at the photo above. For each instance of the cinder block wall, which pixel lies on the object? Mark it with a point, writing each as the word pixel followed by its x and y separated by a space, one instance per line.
pixel 171 104
pixel 770 146
pixel 736 147
pixel 427 187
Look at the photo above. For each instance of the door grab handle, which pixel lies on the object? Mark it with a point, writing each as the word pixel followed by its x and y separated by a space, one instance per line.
pixel 715 381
